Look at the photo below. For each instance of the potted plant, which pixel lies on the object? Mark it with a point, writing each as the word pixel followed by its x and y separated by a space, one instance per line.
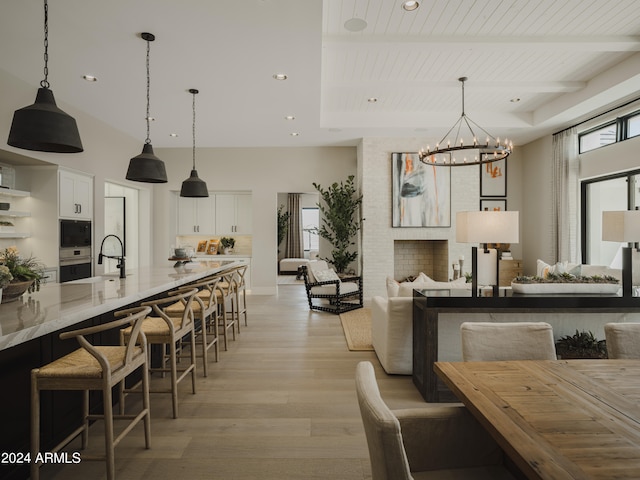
pixel 283 225
pixel 341 221
pixel 581 345
pixel 227 244
pixel 5 277
pixel 27 274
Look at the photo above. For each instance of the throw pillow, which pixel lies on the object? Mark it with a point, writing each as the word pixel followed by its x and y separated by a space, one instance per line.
pixel 392 287
pixel 325 275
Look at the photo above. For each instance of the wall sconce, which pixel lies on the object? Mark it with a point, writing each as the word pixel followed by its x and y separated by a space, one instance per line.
pixel 623 226
pixel 486 227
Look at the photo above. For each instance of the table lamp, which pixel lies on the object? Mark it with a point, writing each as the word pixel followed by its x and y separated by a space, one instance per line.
pixel 486 227
pixel 623 226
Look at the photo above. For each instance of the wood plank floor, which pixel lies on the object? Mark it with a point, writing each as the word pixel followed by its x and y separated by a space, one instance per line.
pixel 279 404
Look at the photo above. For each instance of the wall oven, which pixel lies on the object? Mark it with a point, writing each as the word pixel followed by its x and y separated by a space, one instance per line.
pixel 75 250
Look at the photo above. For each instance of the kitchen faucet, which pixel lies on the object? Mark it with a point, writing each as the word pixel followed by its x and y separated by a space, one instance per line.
pixel 120 259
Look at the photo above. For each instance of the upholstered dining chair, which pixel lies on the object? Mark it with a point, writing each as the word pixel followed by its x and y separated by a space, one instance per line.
pixel 161 329
pixel 492 341
pixel 439 442
pixel 95 367
pixel 623 340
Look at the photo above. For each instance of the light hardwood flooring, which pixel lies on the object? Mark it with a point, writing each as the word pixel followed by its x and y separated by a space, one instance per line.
pixel 280 404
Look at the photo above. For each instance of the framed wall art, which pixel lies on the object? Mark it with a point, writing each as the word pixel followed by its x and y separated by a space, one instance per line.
pixel 421 194
pixel 493 179
pixel 493 204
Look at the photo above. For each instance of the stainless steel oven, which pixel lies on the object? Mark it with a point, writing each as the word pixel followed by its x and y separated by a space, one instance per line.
pixel 75 263
pixel 75 249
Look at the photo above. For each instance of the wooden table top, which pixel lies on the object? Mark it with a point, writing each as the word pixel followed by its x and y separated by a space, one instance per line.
pixel 565 419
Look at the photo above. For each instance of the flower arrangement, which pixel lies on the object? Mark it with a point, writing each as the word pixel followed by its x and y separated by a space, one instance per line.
pixel 566 278
pixel 5 276
pixel 22 269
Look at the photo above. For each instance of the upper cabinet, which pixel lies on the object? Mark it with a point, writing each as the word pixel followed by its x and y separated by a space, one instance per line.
pixel 75 194
pixel 234 213
pixel 196 215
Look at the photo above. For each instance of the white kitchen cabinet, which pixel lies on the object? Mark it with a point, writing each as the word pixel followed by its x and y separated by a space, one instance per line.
pixel 75 195
pixel 196 216
pixel 234 213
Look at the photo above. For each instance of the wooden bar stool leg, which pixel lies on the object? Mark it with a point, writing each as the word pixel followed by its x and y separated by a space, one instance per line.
pixel 35 425
pixel 146 405
pixel 85 419
pixel 108 430
pixel 174 378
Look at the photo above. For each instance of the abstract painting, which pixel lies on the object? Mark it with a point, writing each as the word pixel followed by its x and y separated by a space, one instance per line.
pixel 421 194
pixel 493 179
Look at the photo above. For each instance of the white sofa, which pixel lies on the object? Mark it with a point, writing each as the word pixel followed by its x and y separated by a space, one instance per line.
pixel 392 322
pixel 392 327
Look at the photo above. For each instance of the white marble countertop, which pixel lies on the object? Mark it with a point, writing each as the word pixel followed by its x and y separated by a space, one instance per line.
pixel 60 305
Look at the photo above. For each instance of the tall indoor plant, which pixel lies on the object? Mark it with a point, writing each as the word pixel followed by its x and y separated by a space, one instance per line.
pixel 341 220
pixel 283 225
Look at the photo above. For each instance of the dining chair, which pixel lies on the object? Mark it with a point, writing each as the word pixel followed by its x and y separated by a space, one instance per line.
pixel 240 294
pixel 96 367
pixel 226 307
pixel 161 329
pixel 205 311
pixel 623 340
pixel 431 442
pixel 493 341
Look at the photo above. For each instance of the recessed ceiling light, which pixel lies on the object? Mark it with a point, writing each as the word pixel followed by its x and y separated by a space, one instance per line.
pixel 289 117
pixel 294 134
pixel 355 24
pixel 90 78
pixel 372 100
pixel 173 134
pixel 515 100
pixel 410 6
pixel 280 76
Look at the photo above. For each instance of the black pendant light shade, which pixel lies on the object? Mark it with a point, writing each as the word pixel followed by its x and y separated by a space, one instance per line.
pixel 146 167
pixel 194 186
pixel 44 127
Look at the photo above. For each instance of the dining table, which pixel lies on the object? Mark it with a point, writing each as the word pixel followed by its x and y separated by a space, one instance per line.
pixel 556 419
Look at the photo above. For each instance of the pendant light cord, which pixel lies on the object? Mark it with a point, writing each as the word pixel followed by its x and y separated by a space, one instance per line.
pixel 148 139
pixel 45 83
pixel 193 129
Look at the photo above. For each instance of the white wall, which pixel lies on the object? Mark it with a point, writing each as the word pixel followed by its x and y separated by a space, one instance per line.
pixel 263 171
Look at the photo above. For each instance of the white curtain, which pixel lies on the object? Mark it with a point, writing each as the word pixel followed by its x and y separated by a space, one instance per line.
pixel 566 196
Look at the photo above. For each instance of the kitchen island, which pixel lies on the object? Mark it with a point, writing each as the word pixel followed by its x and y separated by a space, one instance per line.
pixel 29 331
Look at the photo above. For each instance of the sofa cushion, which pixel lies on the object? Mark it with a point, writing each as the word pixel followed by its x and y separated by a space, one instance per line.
pixel 406 289
pixel 392 287
pixel 325 275
pixel 315 266
pixel 345 287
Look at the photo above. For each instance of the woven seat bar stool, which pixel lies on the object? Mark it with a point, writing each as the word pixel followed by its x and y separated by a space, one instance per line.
pixel 205 309
pixel 224 295
pixel 161 329
pixel 240 294
pixel 95 367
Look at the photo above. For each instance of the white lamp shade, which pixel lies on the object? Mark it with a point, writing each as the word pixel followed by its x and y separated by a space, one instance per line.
pixel 621 226
pixel 487 227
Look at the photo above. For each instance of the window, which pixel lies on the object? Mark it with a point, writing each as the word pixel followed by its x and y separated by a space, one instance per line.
pixel 598 138
pixel 310 224
pixel 633 126
pixel 614 192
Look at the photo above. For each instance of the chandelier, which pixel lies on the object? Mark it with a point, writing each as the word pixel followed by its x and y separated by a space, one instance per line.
pixel 457 153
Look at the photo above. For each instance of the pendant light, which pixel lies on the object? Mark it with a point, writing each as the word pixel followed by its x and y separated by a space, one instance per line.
pixel 43 127
pixel 146 167
pixel 193 186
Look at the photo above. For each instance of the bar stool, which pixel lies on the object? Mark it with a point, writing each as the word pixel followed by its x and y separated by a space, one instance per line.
pixel 161 329
pixel 205 309
pixel 240 294
pixel 224 295
pixel 95 367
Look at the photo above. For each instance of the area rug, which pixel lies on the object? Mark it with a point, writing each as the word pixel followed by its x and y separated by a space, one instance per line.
pixel 357 329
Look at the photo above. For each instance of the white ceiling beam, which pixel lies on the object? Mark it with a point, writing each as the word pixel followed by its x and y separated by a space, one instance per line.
pixel 609 43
